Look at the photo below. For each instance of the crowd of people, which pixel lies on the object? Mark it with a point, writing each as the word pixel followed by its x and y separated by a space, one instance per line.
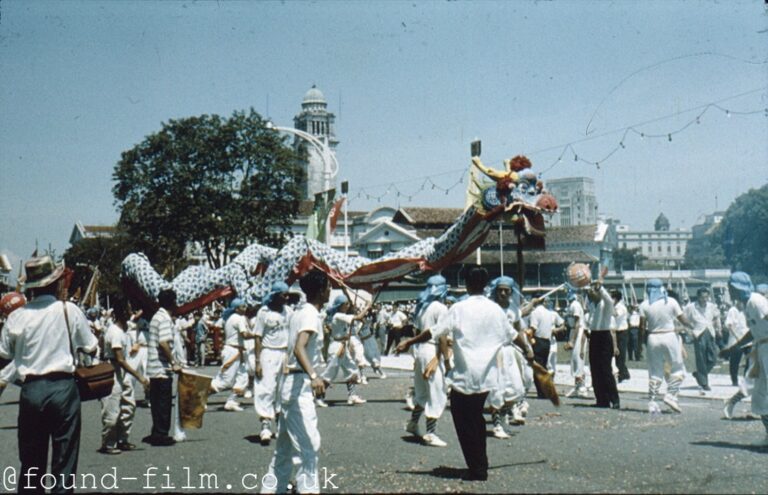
pixel 474 352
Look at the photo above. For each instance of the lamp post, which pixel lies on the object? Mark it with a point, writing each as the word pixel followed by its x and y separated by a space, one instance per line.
pixel 324 151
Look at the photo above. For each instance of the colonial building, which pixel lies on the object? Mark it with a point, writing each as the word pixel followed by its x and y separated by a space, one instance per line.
pixel 576 199
pixel 662 246
pixel 315 119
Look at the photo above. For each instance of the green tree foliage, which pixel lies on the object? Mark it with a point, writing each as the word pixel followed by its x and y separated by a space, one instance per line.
pixel 744 233
pixel 627 259
pixel 219 182
pixel 704 252
pixel 104 253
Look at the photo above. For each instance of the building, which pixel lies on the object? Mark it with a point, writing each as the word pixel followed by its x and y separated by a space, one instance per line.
pixel 708 225
pixel 80 232
pixel 315 119
pixel 577 202
pixel 660 246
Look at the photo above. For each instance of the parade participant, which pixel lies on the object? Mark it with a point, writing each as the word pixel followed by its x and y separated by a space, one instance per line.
pixel 203 329
pixel 602 346
pixel 395 327
pixel 270 349
pixel 756 312
pixel 736 324
pixel 233 373
pixel 543 323
pixel 356 349
pixel 634 346
pixel 371 351
pixel 298 434
pixel 706 326
pixel 658 314
pixel 119 408
pixel 160 369
pixel 480 329
pixel 621 326
pixel 8 304
pixel 504 292
pixel 40 338
pixel 341 317
pixel 577 342
pixel 429 397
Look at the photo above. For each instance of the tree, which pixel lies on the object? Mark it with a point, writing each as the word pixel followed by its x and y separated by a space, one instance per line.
pixel 704 252
pixel 104 253
pixel 218 182
pixel 627 259
pixel 744 230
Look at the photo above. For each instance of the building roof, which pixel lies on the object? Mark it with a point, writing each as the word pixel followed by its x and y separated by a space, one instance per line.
pixel 314 95
pixel 427 216
pixel 534 257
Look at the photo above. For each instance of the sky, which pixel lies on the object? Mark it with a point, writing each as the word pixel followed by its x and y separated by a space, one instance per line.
pixel 411 84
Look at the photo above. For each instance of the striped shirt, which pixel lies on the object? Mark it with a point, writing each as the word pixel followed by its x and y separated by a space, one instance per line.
pixel 160 330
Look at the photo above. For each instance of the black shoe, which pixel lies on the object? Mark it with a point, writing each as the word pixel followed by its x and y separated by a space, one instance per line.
pixel 600 406
pixel 616 405
pixel 707 388
pixel 109 451
pixel 126 446
pixel 159 441
pixel 470 476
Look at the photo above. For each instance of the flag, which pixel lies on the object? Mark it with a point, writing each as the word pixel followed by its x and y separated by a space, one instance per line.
pixel 332 219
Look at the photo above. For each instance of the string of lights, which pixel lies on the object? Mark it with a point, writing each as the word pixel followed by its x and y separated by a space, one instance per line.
pixel 567 150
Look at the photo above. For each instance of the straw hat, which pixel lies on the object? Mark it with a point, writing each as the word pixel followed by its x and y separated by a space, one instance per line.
pixel 41 272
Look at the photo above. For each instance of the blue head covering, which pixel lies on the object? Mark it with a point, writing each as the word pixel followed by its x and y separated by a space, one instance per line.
pixel 436 290
pixel 571 296
pixel 233 305
pixel 277 288
pixel 742 284
pixel 504 281
pixel 336 305
pixel 655 290
pixel 762 289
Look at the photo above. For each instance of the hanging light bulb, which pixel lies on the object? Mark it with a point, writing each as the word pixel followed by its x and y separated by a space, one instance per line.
pixel 642 135
pixel 622 144
pixel 698 119
pixel 597 164
pixel 669 137
pixel 575 157
pixel 728 113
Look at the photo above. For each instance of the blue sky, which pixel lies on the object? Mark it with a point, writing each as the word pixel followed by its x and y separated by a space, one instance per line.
pixel 411 84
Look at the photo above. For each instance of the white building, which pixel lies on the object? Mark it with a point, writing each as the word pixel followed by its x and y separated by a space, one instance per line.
pixel 315 119
pixel 576 199
pixel 661 245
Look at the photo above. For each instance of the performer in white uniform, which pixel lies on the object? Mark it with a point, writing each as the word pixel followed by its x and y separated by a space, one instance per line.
pixel 298 434
pixel 429 397
pixel 503 290
pixel 339 355
pixel 756 312
pixel 233 374
pixel 657 317
pixel 371 350
pixel 270 348
pixel 578 343
pixel 706 328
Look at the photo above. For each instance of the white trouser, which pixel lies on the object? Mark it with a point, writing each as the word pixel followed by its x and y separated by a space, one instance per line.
pixel 577 355
pixel 664 347
pixel 429 394
pixel 265 389
pixel 760 389
pixel 298 437
pixel 371 351
pixel 117 411
pixel 512 388
pixel 235 377
pixel 358 351
pixel 345 364
pixel 552 359
pixel 526 372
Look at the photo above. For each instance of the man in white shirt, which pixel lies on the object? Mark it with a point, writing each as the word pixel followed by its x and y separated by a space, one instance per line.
pixel 233 373
pixel 298 434
pixel 270 348
pixel 397 321
pixel 736 324
pixel 602 346
pixel 577 341
pixel 706 326
pixel 756 312
pixel 544 323
pixel 160 369
pixel 40 339
pixel 479 329
pixel 621 327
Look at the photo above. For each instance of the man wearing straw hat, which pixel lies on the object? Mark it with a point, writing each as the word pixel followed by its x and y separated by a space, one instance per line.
pixel 40 338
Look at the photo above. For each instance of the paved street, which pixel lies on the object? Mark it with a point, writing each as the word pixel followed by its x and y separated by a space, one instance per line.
pixel 571 449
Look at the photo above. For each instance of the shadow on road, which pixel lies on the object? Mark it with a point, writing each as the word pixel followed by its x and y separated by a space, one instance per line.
pixel 456 473
pixel 730 445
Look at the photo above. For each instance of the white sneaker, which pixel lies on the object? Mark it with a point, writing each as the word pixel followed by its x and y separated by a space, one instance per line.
pixel 412 427
pixel 498 432
pixel 524 408
pixel 672 403
pixel 232 406
pixel 653 408
pixel 516 418
pixel 265 436
pixel 363 380
pixel 433 440
pixel 409 403
pixel 248 394
pixel 570 393
pixel 320 402
pixel 761 443
pixel 180 437
pixel 355 399
pixel 728 409
pixel 381 373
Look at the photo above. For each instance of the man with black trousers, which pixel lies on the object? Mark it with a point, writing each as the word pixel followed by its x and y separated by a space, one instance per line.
pixel 479 328
pixel 602 346
pixel 160 369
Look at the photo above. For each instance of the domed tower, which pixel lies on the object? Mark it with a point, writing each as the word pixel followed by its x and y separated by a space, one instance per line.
pixel 662 224
pixel 315 119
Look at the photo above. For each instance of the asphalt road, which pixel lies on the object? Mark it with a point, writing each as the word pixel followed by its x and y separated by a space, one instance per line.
pixel 571 449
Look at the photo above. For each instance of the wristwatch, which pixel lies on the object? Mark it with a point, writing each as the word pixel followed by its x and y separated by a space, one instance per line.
pixel 313 376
